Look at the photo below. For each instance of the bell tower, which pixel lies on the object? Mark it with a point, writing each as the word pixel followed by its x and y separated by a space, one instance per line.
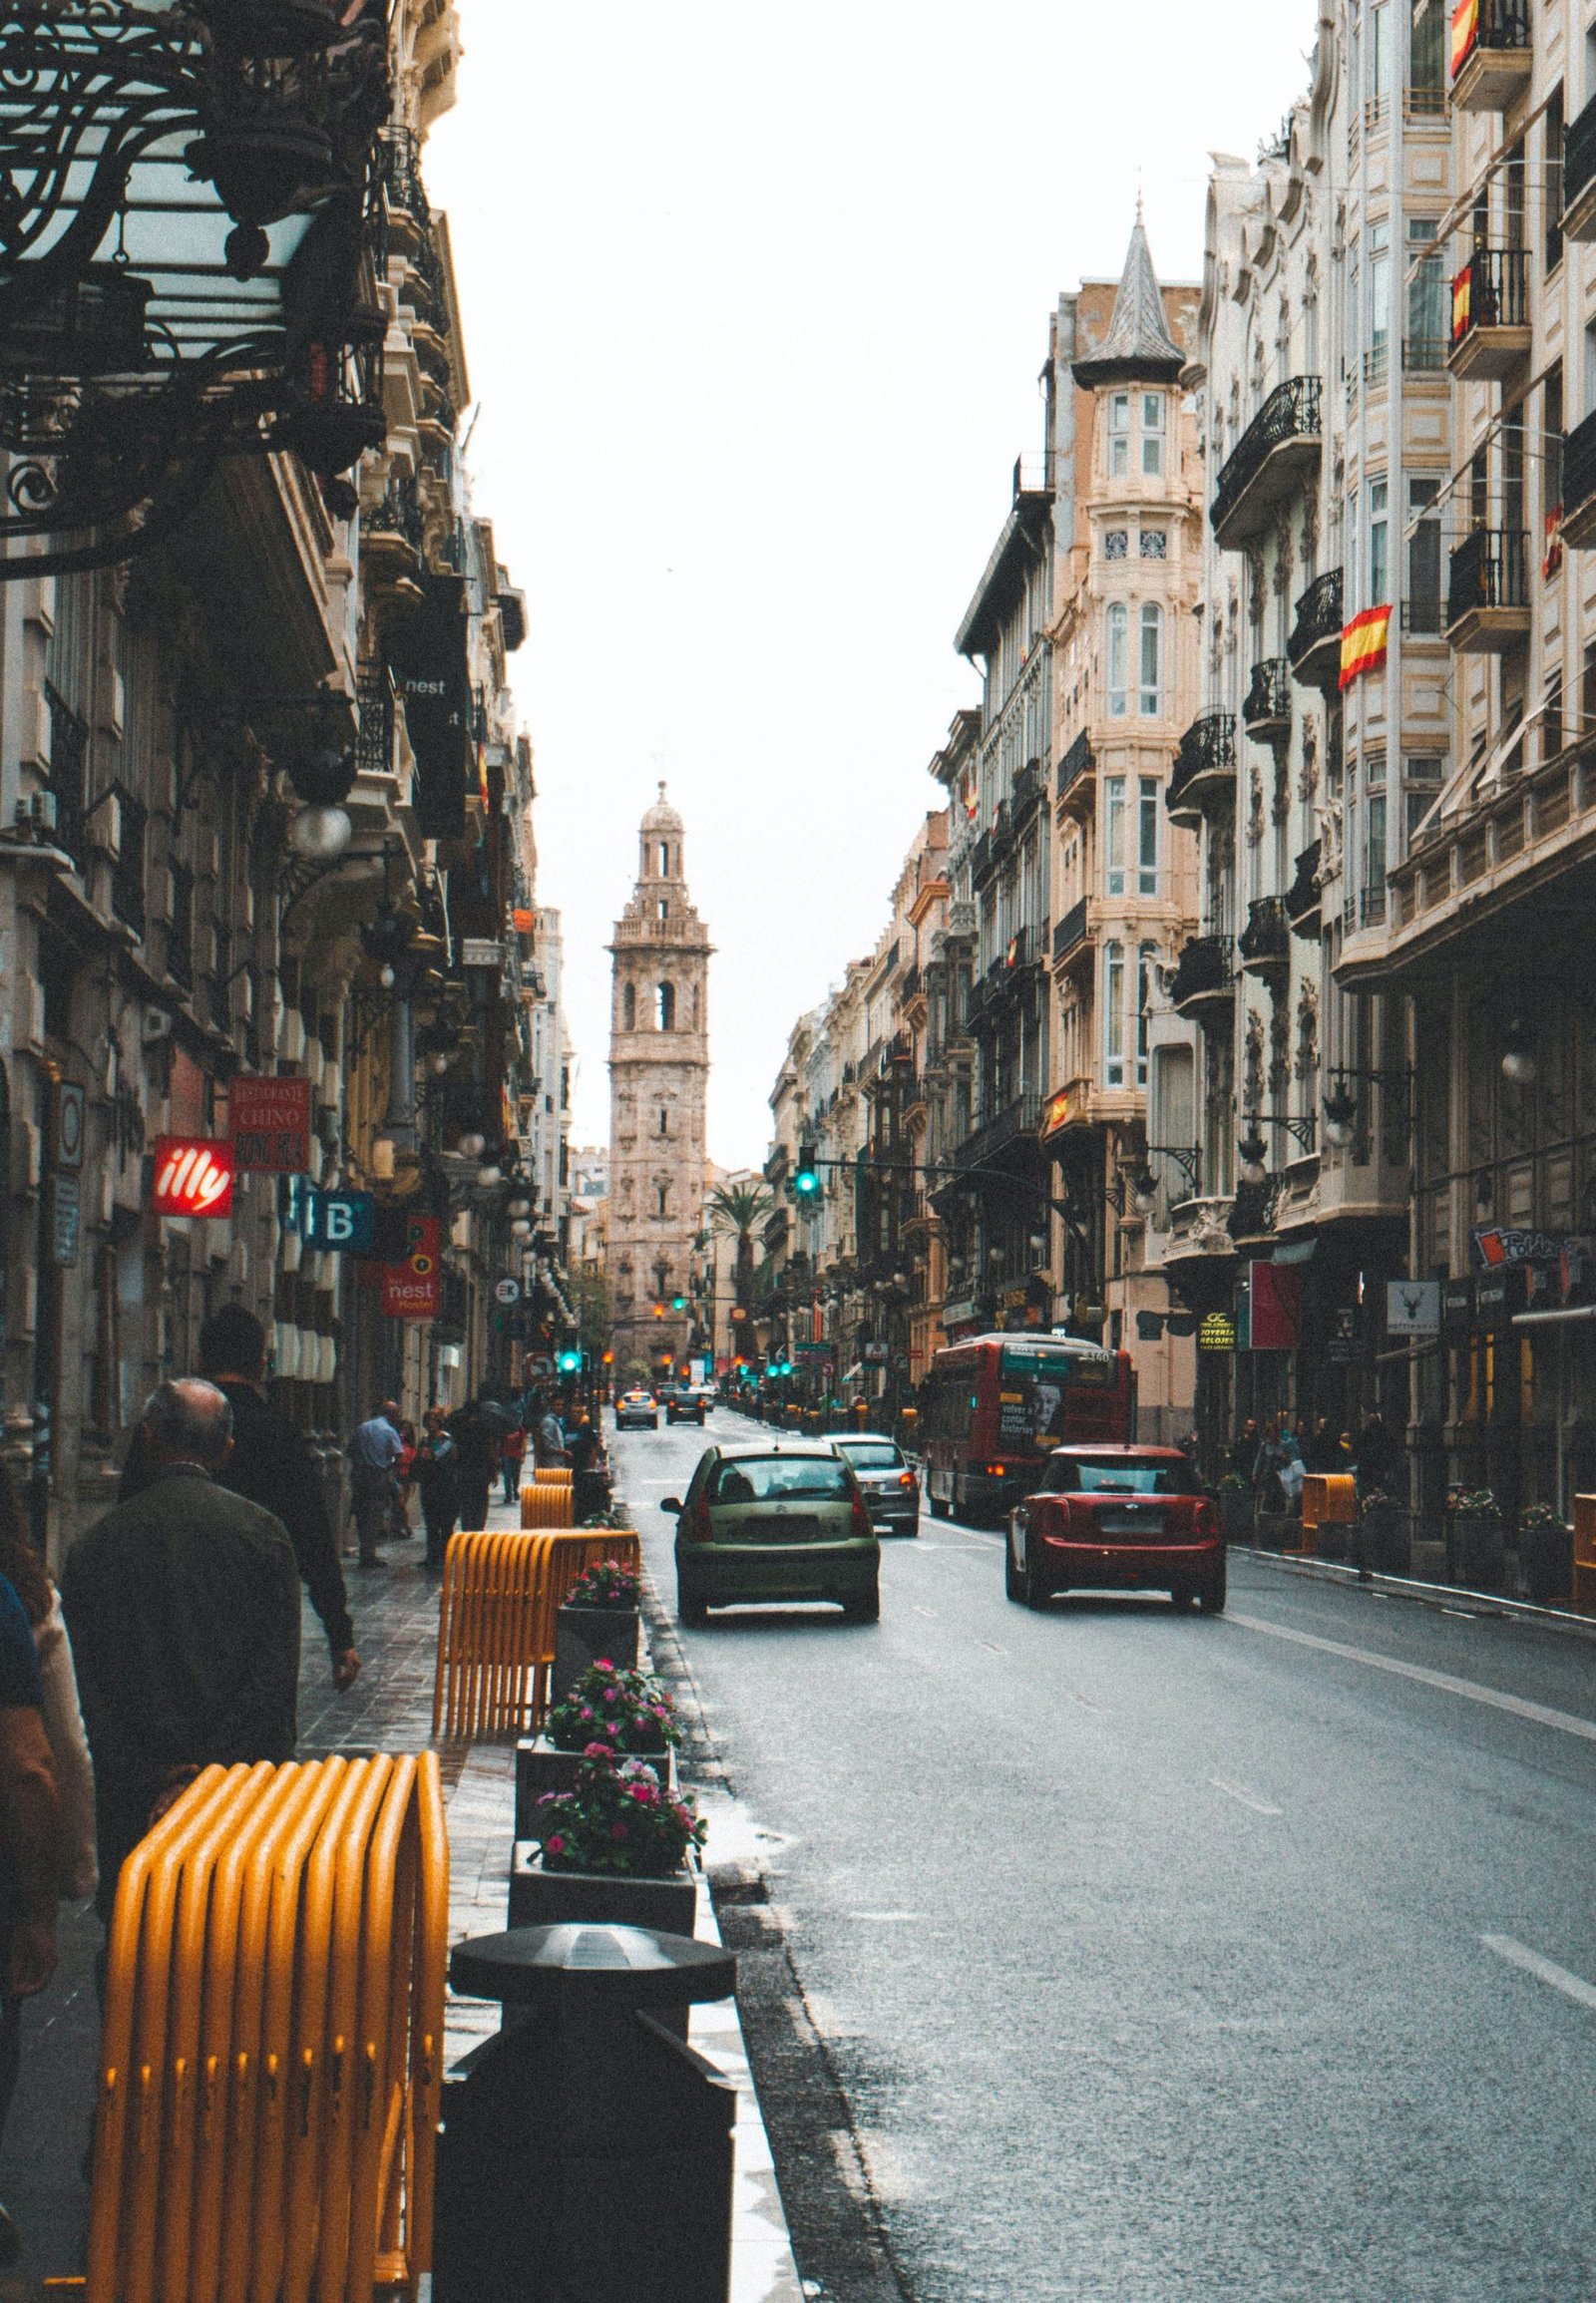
pixel 658 1073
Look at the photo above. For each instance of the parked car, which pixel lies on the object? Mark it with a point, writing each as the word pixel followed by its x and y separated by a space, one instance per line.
pixel 683 1404
pixel 891 1489
pixel 1117 1519
pixel 766 1521
pixel 636 1410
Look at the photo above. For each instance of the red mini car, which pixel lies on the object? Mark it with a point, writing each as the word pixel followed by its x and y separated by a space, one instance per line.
pixel 1117 1519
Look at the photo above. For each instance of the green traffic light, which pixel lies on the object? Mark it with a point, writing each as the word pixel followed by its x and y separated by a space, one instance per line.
pixel 806 1180
pixel 678 1303
pixel 569 1362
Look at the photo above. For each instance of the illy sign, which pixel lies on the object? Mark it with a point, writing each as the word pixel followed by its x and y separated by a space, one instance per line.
pixel 193 1177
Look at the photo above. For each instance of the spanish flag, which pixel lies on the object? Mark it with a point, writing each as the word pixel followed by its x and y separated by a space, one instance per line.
pixel 1463 300
pixel 1364 643
pixel 1465 31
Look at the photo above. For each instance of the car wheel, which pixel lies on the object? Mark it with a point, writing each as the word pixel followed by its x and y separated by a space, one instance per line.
pixel 1211 1596
pixel 1013 1581
pixel 691 1606
pixel 1036 1592
pixel 866 1608
pixel 1182 1597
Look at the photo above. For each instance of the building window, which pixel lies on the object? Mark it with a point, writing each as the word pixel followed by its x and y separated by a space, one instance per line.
pixel 1113 1015
pixel 1118 649
pixel 664 859
pixel 628 1007
pixel 1422 782
pixel 665 907
pixel 1154 544
pixel 1115 834
pixel 1379 298
pixel 664 1008
pixel 1552 451
pixel 1379 497
pixel 1152 661
pixel 664 1193
pixel 1552 186
pixel 1147 959
pixel 1425 346
pixel 664 1123
pixel 1147 838
pixel 1118 435
pixel 1152 434
pixel 1426 56
pixel 1116 543
pixel 1423 555
pixel 1380 60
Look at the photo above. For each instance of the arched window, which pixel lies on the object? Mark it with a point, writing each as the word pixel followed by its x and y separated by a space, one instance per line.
pixel 664 1008
pixel 628 1007
pixel 665 859
pixel 1118 648
pixel 1113 1015
pixel 1152 661
pixel 663 1191
pixel 695 1008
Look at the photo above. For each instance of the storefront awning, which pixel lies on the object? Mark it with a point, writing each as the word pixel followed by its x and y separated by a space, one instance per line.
pixel 1547 1319
pixel 1295 1251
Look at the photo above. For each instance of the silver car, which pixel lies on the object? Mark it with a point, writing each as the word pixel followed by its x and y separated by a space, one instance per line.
pixel 887 1477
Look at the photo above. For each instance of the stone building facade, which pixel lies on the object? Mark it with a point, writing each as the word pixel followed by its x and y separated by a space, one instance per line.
pixel 659 1077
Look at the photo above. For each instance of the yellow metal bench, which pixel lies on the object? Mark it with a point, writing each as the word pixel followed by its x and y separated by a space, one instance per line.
pixel 496 1624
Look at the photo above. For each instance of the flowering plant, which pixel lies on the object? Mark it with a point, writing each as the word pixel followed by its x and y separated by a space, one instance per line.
pixel 1538 1515
pixel 1373 1499
pixel 616 1709
pixel 1478 1502
pixel 620 1819
pixel 606 1585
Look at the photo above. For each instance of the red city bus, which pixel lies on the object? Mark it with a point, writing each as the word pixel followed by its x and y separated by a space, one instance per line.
pixel 992 1410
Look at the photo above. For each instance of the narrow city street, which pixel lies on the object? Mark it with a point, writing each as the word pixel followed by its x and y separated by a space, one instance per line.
pixel 1162 1956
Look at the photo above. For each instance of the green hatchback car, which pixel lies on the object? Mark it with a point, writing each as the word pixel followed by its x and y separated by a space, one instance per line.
pixel 769 1521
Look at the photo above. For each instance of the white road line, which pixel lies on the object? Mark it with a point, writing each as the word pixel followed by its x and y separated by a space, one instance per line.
pixel 1247 1798
pixel 1572 1987
pixel 992 1646
pixel 928 1613
pixel 1541 1714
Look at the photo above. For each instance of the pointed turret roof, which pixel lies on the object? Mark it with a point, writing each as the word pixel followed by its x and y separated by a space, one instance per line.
pixel 1138 347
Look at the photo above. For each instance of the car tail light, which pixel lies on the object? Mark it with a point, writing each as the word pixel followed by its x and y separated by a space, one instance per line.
pixel 861 1518
pixel 694 1522
pixel 1056 1528
pixel 906 1479
pixel 1207 1520
pixel 994 1471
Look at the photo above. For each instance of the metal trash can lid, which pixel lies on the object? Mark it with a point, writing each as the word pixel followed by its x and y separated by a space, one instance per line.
pixel 633 1966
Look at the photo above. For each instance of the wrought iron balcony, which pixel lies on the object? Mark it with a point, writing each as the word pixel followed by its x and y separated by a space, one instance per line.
pixel 1265 941
pixel 1490 315
pixel 1487 598
pixel 1281 443
pixel 1203 979
pixel 1302 897
pixel 1070 933
pixel 1205 768
pixel 1031 789
pixel 1019 1119
pixel 1579 176
pixel 1266 715
pixel 68 774
pixel 1491 64
pixel 1076 763
pixel 1314 648
pixel 1579 485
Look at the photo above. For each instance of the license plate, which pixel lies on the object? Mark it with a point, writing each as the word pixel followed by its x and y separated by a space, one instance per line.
pixel 1144 1523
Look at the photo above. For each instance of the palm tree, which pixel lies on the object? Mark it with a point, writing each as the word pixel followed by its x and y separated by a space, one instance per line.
pixel 736 1212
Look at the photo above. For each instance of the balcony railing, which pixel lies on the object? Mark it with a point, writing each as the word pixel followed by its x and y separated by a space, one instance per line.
pixel 1031 789
pixel 981 862
pixel 1070 930
pixel 1372 903
pixel 1019 1119
pixel 1423 355
pixel 1314 648
pixel 1302 897
pixel 1205 763
pixel 1283 436
pixel 68 775
pixel 1489 571
pixel 1493 62
pixel 1267 711
pixel 1203 972
pixel 1074 763
pixel 1265 941
pixel 1490 314
pixel 397 512
pixel 374 742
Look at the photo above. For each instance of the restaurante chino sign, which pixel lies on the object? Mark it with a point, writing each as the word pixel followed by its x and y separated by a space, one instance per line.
pixel 270 1122
pixel 193 1177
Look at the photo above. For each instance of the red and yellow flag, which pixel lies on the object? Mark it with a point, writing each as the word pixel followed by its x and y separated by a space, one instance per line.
pixel 1463 300
pixel 1465 31
pixel 1364 643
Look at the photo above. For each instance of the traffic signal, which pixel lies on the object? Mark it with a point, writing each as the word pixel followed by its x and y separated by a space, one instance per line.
pixel 806 1179
pixel 610 1360
pixel 569 1362
pixel 678 1303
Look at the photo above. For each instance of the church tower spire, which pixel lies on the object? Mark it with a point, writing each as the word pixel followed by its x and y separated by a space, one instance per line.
pixel 1138 348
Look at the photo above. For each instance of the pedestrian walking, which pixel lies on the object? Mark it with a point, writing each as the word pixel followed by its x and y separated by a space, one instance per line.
pixel 30 1852
pixel 272 1463
pixel 63 1731
pixel 1246 1450
pixel 1379 1465
pixel 404 1480
pixel 476 1433
pixel 512 1454
pixel 547 1435
pixel 184 1610
pixel 436 1472
pixel 1323 1452
pixel 373 1454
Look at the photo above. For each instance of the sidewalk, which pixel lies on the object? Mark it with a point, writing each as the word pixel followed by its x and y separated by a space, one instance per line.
pixel 395 1610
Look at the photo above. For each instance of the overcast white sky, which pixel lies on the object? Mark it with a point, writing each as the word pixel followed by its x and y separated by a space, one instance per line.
pixel 755 303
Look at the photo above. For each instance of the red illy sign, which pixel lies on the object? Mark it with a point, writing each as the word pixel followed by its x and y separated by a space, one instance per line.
pixel 193 1177
pixel 270 1122
pixel 412 1290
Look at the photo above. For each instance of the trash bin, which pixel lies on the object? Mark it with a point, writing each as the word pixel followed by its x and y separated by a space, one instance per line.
pixel 587 2151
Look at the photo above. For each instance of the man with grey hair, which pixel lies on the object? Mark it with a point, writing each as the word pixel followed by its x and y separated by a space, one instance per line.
pixel 183 1609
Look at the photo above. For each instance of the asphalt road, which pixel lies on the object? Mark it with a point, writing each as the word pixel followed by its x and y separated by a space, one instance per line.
pixel 1154 1957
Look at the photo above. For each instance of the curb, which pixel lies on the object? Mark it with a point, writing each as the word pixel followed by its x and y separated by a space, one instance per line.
pixel 1425 1594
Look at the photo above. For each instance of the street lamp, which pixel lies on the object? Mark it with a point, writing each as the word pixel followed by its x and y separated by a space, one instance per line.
pixel 1518 1057
pixel 1144 1190
pixel 1340 1118
pixel 1253 1154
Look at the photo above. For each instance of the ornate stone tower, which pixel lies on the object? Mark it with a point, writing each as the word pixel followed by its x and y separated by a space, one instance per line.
pixel 659 1070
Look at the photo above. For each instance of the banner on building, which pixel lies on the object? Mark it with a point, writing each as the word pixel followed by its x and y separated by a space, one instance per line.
pixel 1495 1245
pixel 413 1289
pixel 1412 1307
pixel 269 1123
pixel 1267 1302
pixel 193 1177
pixel 1465 32
pixel 427 654
pixel 1364 644
pixel 343 1221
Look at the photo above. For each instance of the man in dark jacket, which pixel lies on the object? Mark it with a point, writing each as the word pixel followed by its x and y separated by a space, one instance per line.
pixel 476 1431
pixel 272 1464
pixel 184 1610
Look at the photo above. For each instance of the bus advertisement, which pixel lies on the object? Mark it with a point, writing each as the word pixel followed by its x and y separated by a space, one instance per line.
pixel 993 1408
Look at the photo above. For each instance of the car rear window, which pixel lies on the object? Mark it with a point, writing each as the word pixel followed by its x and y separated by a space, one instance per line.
pixel 1102 1476
pixel 872 1455
pixel 772 1478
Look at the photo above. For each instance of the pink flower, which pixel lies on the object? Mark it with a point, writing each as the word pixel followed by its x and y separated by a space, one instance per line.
pixel 554 1845
pixel 644 1795
pixel 610 1693
pixel 596 1752
pixel 586 1710
pixel 604 1665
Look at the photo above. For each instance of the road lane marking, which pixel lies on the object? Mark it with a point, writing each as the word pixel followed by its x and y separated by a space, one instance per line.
pixel 1247 1798
pixel 992 1646
pixel 1572 1987
pixel 1541 1714
pixel 928 1613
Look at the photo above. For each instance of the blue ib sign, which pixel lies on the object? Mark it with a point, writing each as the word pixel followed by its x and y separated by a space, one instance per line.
pixel 341 1221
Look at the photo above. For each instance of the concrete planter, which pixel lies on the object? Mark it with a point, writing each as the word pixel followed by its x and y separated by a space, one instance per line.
pixel 1477 1549
pixel 1546 1563
pixel 543 1898
pixel 584 1633
pixel 1384 1543
pixel 540 1768
pixel 1238 1515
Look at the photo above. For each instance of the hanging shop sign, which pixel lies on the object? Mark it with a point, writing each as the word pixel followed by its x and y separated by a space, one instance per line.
pixel 427 653
pixel 1457 1307
pixel 507 1292
pixel 1340 1344
pixel 270 1122
pixel 413 1289
pixel 1495 1246
pixel 72 1105
pixel 66 1199
pixel 1216 1333
pixel 1412 1307
pixel 1499 1294
pixel 344 1222
pixel 194 1176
